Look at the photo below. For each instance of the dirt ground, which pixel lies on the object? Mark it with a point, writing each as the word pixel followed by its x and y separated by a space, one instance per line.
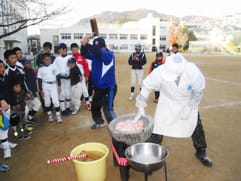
pixel 220 111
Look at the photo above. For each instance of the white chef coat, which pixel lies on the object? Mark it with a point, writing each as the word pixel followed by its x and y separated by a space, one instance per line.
pixel 173 99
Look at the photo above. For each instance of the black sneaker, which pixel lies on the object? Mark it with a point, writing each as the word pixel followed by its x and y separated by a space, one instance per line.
pixel 95 126
pixel 68 110
pixel 27 132
pixel 23 137
pixel 205 160
pixel 33 121
pixel 65 112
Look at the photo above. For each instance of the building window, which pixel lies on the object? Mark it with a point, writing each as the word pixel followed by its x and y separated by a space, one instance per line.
pixel 143 37
pixel 78 36
pixel 124 47
pixel 113 46
pixel 113 36
pixel 104 36
pixel 55 39
pixel 154 30
pixel 123 36
pixel 153 41
pixel 89 34
pixel 163 30
pixel 163 38
pixel 133 36
pixel 162 47
pixel 65 36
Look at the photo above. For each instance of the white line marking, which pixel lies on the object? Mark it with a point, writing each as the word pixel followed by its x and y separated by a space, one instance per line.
pixel 225 104
pixel 224 81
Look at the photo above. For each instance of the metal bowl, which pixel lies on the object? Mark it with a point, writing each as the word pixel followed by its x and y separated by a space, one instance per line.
pixel 146 157
pixel 131 137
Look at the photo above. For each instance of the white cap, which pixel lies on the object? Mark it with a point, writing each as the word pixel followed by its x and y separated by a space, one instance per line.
pixel 173 67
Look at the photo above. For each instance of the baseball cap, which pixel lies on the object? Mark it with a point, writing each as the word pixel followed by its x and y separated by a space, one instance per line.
pixel 159 54
pixel 137 46
pixel 25 60
pixel 174 67
pixel 99 42
pixel 71 60
pixel 62 45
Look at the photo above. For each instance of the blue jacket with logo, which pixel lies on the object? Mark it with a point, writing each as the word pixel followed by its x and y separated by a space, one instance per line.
pixel 103 66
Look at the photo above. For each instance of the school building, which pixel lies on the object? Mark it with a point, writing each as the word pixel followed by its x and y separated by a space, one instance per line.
pixel 151 32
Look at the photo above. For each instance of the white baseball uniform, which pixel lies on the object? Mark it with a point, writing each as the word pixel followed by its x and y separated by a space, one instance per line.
pixel 65 92
pixel 49 84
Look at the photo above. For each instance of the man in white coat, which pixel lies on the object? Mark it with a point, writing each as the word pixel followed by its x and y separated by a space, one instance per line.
pixel 181 86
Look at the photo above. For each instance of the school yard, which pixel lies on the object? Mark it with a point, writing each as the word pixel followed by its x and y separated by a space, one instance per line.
pixel 220 111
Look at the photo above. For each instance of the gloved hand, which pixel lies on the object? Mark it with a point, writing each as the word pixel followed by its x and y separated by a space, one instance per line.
pixel 141 112
pixel 186 113
pixel 140 101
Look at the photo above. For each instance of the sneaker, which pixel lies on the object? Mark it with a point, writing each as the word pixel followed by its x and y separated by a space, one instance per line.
pixel 204 159
pixel 27 132
pixel 75 111
pixel 95 126
pixel 33 121
pixel 65 113
pixel 11 145
pixel 23 137
pixel 3 167
pixel 131 98
pixel 88 106
pixel 6 150
pixel 68 110
pixel 50 119
pixel 59 119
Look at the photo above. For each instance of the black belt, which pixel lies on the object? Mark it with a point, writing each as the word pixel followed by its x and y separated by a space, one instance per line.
pixel 49 82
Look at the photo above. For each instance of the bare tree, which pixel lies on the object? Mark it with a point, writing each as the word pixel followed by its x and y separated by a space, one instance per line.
pixel 17 15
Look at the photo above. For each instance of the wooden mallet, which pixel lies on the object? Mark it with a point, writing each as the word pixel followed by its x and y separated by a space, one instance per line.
pixel 94 27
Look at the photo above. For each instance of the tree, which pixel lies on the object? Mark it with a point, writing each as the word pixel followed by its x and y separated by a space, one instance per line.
pixel 181 35
pixel 184 36
pixel 172 36
pixel 17 15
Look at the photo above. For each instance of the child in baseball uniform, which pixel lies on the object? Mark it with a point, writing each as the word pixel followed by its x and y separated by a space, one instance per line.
pixel 4 116
pixel 76 86
pixel 159 60
pixel 49 83
pixel 33 103
pixel 81 61
pixel 61 63
pixel 17 100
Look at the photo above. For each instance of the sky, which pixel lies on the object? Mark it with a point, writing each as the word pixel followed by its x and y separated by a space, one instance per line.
pixel 80 9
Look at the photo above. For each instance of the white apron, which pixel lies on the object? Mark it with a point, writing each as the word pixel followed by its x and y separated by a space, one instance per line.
pixel 173 99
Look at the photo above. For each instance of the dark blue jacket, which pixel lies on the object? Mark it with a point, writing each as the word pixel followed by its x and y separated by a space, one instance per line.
pixel 103 66
pixel 30 79
pixel 137 64
pixel 2 87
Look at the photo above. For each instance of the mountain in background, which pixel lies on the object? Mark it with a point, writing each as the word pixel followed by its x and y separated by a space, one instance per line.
pixel 115 17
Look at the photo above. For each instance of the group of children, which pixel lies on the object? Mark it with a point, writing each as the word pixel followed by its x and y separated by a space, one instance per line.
pixel 61 82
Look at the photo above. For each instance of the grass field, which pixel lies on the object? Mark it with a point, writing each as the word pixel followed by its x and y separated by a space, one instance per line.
pixel 220 111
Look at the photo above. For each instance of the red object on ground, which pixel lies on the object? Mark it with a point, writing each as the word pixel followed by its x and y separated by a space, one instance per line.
pixel 67 158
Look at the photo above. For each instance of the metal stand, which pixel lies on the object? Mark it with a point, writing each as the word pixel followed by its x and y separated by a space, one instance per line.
pixel 146 176
pixel 165 171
